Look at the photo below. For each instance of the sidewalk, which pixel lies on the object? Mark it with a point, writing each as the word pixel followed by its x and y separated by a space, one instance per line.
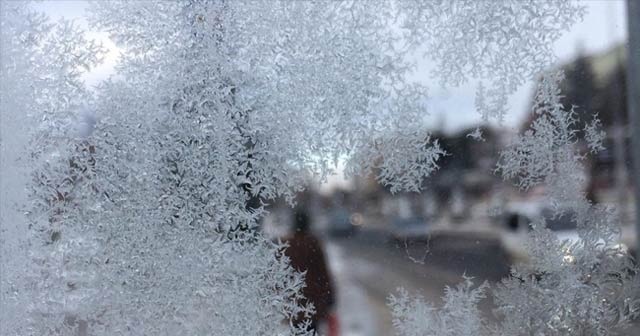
pixel 356 310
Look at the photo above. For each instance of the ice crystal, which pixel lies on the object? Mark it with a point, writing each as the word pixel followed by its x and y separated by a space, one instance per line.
pixel 541 151
pixel 460 316
pixel 402 160
pixel 594 135
pixel 118 242
pixel 503 42
pixel 345 54
pixel 40 91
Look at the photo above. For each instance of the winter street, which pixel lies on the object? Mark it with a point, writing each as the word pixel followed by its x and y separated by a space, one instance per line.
pixel 368 268
pixel 307 168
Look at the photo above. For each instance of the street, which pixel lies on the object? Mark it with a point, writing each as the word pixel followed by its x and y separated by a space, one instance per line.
pixel 367 268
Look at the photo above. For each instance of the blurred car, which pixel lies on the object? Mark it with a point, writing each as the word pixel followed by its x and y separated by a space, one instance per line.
pixel 517 217
pixel 341 222
pixel 413 228
pixel 408 221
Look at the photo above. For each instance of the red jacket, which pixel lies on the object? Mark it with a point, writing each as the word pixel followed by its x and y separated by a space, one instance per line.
pixel 306 254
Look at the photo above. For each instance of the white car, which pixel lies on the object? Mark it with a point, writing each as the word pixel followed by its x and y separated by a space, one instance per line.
pixel 515 222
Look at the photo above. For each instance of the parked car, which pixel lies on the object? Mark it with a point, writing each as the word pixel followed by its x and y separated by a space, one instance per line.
pixel 340 223
pixel 516 220
pixel 517 217
pixel 408 221
pixel 412 228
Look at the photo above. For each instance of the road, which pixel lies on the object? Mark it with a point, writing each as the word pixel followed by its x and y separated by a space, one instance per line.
pixel 368 268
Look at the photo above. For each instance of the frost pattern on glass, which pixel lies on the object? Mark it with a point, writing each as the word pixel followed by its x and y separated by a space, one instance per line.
pixel 145 223
pixel 594 135
pixel 585 287
pixel 501 43
pixel 301 84
pixel 40 92
pixel 414 316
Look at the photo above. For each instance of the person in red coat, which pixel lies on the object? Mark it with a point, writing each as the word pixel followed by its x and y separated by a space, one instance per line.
pixel 307 255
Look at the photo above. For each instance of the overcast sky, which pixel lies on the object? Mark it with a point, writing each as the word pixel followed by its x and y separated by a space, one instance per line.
pixel 603 27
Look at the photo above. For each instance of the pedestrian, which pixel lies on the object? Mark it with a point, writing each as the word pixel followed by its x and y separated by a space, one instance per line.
pixel 306 254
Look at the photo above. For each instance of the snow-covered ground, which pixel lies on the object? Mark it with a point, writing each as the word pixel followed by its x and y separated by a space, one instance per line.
pixel 355 308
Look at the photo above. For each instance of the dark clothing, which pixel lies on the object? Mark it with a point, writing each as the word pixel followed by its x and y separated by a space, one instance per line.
pixel 306 254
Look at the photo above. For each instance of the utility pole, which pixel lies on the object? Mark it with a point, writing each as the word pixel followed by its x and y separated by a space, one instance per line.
pixel 633 100
pixel 619 130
